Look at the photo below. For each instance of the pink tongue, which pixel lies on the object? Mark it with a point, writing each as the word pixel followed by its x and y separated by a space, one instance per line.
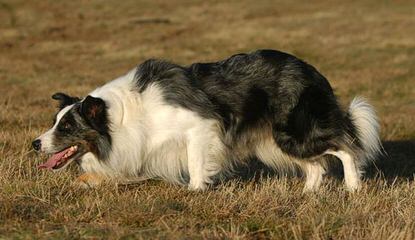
pixel 54 160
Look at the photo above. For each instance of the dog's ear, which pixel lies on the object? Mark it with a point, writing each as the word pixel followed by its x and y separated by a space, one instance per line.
pixel 94 111
pixel 64 99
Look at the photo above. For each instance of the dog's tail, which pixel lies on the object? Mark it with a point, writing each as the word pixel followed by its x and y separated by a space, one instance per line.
pixel 365 121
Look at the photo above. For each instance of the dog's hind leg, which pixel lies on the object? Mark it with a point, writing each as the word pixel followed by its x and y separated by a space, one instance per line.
pixel 314 172
pixel 351 171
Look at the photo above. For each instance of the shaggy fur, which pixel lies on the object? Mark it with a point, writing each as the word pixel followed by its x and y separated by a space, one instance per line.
pixel 189 124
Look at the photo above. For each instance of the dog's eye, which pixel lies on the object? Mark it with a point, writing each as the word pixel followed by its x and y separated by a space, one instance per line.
pixel 66 126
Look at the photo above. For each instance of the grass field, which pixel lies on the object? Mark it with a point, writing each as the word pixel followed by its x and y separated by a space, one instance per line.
pixel 363 47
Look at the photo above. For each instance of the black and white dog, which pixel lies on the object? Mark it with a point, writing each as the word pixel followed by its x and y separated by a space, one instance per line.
pixel 189 124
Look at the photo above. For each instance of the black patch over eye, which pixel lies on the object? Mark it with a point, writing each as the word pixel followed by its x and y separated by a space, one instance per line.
pixel 67 123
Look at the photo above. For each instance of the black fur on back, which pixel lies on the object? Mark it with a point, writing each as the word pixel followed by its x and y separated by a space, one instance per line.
pixel 246 90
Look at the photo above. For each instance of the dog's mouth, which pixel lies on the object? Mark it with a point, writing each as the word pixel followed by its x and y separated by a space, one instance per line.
pixel 61 159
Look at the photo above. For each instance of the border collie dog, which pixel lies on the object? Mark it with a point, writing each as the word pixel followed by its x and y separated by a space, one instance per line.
pixel 191 124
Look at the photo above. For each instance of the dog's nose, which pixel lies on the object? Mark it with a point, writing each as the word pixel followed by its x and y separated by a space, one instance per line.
pixel 36 144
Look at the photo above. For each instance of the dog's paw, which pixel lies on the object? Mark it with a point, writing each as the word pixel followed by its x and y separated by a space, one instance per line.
pixel 353 188
pixel 89 180
pixel 197 186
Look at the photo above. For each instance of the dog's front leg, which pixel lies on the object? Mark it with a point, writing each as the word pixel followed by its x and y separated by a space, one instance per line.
pixel 89 180
pixel 195 163
pixel 197 154
pixel 205 154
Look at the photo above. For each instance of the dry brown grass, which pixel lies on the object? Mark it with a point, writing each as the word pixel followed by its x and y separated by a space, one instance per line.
pixel 365 48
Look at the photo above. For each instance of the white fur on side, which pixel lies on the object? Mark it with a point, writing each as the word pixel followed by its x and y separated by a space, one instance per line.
pixel 366 122
pixel 151 138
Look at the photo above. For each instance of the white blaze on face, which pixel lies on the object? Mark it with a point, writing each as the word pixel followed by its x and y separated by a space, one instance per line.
pixel 46 139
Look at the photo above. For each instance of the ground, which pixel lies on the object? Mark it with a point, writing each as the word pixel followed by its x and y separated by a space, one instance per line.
pixel 364 48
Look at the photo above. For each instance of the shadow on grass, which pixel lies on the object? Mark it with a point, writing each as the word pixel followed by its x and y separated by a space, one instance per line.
pixel 397 163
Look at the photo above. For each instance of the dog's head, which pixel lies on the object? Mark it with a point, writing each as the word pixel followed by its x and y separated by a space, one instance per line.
pixel 79 127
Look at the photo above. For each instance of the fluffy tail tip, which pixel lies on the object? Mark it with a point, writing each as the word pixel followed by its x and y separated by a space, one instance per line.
pixel 366 122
